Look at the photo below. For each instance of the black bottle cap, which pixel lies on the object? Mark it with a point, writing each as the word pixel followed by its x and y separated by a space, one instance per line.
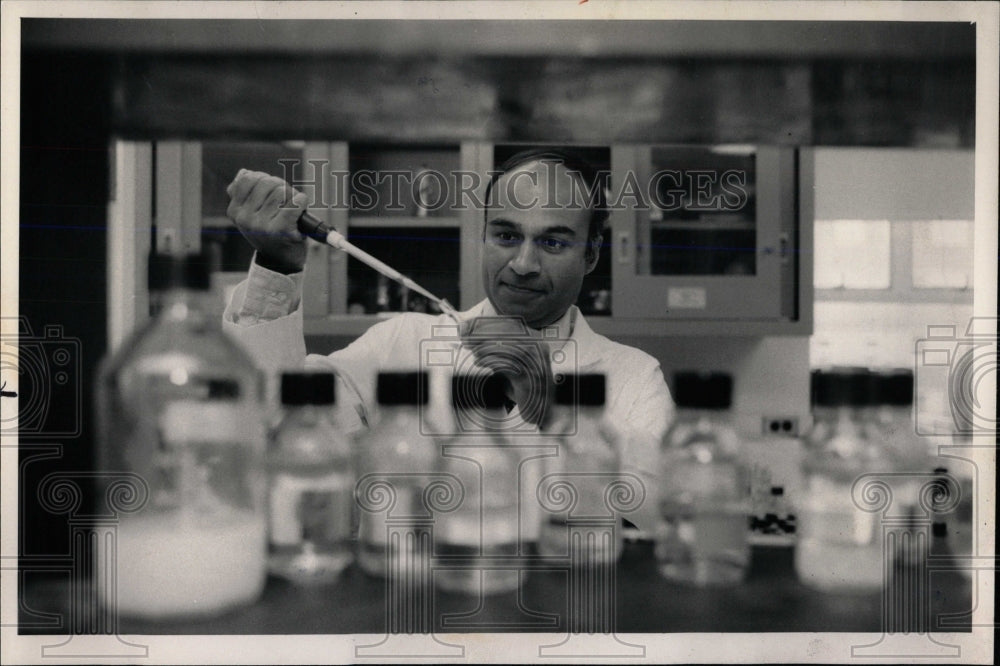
pixel 185 272
pixel 844 387
pixel 402 388
pixel 586 390
pixel 307 388
pixel 478 391
pixel 223 389
pixel 703 390
pixel 895 387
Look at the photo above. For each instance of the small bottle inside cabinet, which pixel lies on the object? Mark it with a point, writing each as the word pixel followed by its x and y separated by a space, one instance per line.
pixel 388 180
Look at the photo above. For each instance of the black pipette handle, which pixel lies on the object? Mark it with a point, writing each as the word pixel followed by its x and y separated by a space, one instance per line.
pixel 310 226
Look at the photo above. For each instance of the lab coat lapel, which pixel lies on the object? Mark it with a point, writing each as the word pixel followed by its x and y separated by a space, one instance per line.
pixel 589 345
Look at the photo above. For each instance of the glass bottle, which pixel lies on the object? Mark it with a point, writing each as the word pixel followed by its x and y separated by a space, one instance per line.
pixel 891 426
pixel 840 546
pixel 181 405
pixel 480 456
pixel 312 484
pixel 893 420
pixel 382 294
pixel 703 401
pixel 396 449
pixel 702 538
pixel 588 460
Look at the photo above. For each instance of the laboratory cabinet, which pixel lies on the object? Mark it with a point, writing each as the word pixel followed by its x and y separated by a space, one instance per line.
pixel 398 202
pixel 700 239
pixel 707 239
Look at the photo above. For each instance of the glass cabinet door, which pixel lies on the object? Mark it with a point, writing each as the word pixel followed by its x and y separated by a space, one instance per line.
pixel 220 162
pixel 704 232
pixel 191 178
pixel 403 211
pixel 395 201
pixel 702 213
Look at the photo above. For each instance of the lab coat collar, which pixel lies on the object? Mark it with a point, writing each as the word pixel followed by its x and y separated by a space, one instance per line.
pixel 563 327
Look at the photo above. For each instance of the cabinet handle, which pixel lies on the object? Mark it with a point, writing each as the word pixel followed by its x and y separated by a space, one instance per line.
pixel 624 247
pixel 783 247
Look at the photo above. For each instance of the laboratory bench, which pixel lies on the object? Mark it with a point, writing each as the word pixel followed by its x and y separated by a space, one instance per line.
pixel 770 599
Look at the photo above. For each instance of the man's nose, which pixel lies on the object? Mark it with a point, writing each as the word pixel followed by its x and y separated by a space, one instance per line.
pixel 526 261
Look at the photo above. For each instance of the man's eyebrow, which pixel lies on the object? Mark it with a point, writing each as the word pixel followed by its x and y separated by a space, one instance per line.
pixel 560 229
pixel 502 222
pixel 555 229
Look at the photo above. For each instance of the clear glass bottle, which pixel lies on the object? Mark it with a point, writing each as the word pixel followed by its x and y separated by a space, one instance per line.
pixel 890 423
pixel 481 457
pixel 893 420
pixel 312 484
pixel 181 405
pixel 702 538
pixel 703 401
pixel 587 446
pixel 395 447
pixel 840 545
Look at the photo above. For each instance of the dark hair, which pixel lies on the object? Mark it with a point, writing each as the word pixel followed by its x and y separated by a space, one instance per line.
pixel 594 180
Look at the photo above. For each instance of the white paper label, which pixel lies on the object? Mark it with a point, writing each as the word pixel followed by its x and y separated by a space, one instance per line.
pixel 687 298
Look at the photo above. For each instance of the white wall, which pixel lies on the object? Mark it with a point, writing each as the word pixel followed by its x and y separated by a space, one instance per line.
pixel 771 374
pixel 901 185
pixel 894 184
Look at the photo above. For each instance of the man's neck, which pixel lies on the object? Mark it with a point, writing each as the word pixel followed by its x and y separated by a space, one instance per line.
pixel 563 325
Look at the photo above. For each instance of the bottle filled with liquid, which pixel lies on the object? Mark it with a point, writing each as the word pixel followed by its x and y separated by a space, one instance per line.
pixel 180 405
pixel 395 456
pixel 312 484
pixel 586 466
pixel 482 458
pixel 702 538
pixel 840 545
pixel 892 421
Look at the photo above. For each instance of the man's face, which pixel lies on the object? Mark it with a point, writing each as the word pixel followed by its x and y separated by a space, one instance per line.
pixel 535 243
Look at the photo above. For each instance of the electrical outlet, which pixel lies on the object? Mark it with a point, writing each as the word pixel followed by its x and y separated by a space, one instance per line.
pixel 787 426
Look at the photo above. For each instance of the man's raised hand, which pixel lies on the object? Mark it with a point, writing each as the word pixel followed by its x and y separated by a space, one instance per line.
pixel 266 210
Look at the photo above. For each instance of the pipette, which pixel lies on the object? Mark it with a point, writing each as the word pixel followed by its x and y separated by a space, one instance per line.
pixel 317 229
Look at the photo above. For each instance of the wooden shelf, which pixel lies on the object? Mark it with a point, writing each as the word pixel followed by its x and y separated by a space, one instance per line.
pixel 217 222
pixel 702 225
pixel 368 222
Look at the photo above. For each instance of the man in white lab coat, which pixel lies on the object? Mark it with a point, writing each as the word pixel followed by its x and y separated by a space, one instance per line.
pixel 537 248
